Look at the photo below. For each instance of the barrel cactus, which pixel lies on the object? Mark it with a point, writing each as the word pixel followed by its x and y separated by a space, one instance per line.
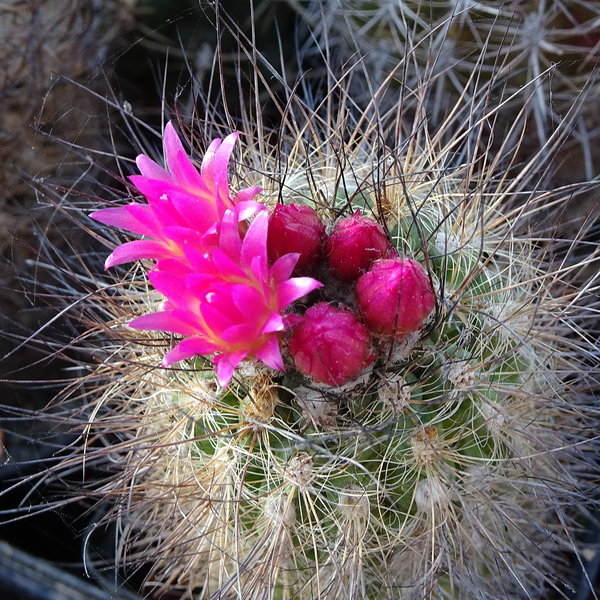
pixel 441 460
pixel 281 426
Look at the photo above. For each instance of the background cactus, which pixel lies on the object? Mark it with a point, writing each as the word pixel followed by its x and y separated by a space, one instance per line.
pixel 540 55
pixel 458 465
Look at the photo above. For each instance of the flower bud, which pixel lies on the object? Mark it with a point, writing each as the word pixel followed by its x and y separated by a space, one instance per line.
pixel 394 297
pixel 330 345
pixel 354 244
pixel 295 228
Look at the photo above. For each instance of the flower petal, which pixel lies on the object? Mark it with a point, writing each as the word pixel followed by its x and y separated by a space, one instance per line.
pixel 200 261
pixel 169 278
pixel 240 334
pixel 207 166
pixel 248 300
pixel 193 346
pixel 177 162
pixel 197 212
pixel 293 289
pixel 163 321
pixel 217 320
pixel 216 160
pixel 148 168
pixel 152 188
pixel 273 323
pixel 255 240
pixel 123 218
pixel 229 238
pixel 269 354
pixel 184 236
pixel 245 196
pixel 245 210
pixel 147 222
pixel 225 365
pixel 282 268
pixel 137 250
pixel 227 266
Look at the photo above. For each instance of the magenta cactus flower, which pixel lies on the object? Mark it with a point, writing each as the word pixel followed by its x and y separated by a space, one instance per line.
pixel 330 345
pixel 394 297
pixel 296 228
pixel 184 206
pixel 228 301
pixel 354 244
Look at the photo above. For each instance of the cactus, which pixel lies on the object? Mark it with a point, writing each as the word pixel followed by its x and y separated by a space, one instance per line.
pixel 453 462
pixel 444 470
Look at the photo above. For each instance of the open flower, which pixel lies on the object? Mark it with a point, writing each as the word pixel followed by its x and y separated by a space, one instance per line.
pixel 227 301
pixel 184 206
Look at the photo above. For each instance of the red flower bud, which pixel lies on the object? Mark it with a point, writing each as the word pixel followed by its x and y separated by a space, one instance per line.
pixel 354 244
pixel 295 228
pixel 330 345
pixel 395 297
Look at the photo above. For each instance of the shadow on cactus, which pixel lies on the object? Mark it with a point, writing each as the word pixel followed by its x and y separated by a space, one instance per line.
pixel 405 413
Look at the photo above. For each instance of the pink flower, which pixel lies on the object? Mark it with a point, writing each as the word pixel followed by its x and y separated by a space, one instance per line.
pixel 227 301
pixel 295 228
pixel 354 244
pixel 394 297
pixel 184 206
pixel 330 345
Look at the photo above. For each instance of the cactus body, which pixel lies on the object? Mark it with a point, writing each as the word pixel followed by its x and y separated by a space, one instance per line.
pixel 439 472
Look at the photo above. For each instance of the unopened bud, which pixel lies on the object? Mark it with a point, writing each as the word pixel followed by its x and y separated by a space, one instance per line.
pixel 295 228
pixel 394 297
pixel 354 244
pixel 330 345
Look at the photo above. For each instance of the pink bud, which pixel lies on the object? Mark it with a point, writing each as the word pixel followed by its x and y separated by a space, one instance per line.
pixel 395 297
pixel 330 345
pixel 295 228
pixel 354 244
